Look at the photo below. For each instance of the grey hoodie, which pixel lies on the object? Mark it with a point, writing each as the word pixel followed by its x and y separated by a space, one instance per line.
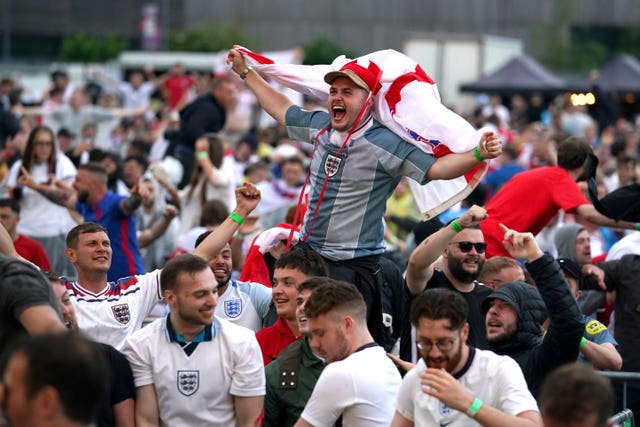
pixel 565 240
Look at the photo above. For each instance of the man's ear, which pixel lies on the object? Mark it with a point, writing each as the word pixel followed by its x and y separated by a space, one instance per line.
pixel 47 401
pixel 71 254
pixel 169 296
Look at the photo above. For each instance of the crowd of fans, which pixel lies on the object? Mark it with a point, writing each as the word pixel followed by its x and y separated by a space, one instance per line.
pixel 159 168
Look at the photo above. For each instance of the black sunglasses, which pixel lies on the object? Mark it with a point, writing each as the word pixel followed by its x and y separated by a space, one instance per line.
pixel 466 246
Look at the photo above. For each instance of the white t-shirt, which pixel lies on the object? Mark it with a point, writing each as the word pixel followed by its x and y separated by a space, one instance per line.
pixel 245 304
pixel 40 217
pixel 496 380
pixel 197 389
pixel 360 388
pixel 118 310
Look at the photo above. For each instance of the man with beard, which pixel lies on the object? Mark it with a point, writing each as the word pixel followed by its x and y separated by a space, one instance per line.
pixel 357 163
pixel 192 368
pixel 359 383
pixel 462 248
pixel 93 200
pixel 243 303
pixel 455 384
pixel 516 311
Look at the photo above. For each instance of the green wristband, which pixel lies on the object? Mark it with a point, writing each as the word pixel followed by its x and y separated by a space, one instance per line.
pixel 203 154
pixel 474 408
pixel 476 154
pixel 456 227
pixel 637 226
pixel 237 218
pixel 583 341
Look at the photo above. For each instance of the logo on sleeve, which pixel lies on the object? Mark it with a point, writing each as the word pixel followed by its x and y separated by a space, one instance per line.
pixel 188 382
pixel 233 308
pixel 121 313
pixel 593 327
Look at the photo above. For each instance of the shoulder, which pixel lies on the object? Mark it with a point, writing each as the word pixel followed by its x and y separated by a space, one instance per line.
pixel 233 331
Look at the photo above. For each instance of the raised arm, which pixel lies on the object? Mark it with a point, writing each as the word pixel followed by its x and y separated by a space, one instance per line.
pixel 133 202
pixel 457 164
pixel 158 228
pixel 590 213
pixel 247 198
pixel 61 196
pixel 420 267
pixel 273 102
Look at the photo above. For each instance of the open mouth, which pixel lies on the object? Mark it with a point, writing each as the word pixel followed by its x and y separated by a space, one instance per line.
pixel 338 112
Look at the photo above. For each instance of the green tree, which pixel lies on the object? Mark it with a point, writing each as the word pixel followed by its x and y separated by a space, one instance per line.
pixel 82 48
pixel 323 51
pixel 209 38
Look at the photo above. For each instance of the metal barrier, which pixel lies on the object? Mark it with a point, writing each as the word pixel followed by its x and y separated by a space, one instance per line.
pixel 623 418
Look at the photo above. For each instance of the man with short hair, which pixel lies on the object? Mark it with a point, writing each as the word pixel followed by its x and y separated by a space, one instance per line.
pixel 359 383
pixel 54 381
pixel 455 384
pixel 292 375
pixel 28 248
pixel 516 311
pixel 499 270
pixel 110 311
pixel 544 191
pixel 93 200
pixel 191 367
pixel 462 247
pixel 291 269
pixel 575 396
pixel 243 303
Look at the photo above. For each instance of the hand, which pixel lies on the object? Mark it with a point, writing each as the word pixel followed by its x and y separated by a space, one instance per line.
pixel 490 145
pixel 596 272
pixel 472 217
pixel 26 180
pixel 441 385
pixel 169 212
pixel 521 245
pixel 247 198
pixel 236 59
pixel 405 366
pixel 140 191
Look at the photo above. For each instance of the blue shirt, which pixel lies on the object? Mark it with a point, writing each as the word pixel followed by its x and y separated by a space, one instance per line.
pixel 121 229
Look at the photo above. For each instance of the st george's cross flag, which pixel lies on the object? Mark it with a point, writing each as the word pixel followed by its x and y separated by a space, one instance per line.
pixel 408 104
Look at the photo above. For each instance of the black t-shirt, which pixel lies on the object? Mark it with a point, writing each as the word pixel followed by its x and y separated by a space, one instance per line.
pixel 122 385
pixel 477 330
pixel 22 286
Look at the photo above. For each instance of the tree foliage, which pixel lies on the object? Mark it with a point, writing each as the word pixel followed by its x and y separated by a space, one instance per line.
pixel 209 38
pixel 323 51
pixel 82 48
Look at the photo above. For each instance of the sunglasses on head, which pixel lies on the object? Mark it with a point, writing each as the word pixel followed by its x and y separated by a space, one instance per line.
pixel 466 246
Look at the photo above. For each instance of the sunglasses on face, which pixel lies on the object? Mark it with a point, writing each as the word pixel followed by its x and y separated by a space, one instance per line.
pixel 466 246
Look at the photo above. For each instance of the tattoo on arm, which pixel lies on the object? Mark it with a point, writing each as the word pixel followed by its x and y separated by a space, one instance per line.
pixel 60 197
pixel 131 203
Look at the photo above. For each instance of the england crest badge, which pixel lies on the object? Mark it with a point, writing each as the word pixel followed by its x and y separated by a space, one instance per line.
pixel 121 313
pixel 332 164
pixel 188 382
pixel 233 308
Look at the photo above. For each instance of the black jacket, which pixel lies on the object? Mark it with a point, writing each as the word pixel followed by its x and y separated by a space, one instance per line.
pixel 203 115
pixel 537 356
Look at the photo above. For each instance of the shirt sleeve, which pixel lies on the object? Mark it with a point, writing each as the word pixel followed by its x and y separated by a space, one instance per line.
pixel 598 333
pixel 333 392
pixel 515 395
pixel 138 354
pixel 404 399
pixel 260 297
pixel 248 372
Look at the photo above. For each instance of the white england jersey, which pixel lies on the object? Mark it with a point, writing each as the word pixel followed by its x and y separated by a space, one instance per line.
pixel 496 380
pixel 197 389
pixel 245 304
pixel 359 389
pixel 117 311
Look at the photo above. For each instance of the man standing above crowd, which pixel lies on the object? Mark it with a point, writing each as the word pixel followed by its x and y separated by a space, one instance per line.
pixel 359 384
pixel 455 384
pixel 543 191
pixel 462 248
pixel 356 165
pixel 192 368
pixel 516 311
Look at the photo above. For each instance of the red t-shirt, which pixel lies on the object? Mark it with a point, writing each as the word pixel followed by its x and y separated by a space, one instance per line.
pixel 176 87
pixel 33 251
pixel 527 202
pixel 274 339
